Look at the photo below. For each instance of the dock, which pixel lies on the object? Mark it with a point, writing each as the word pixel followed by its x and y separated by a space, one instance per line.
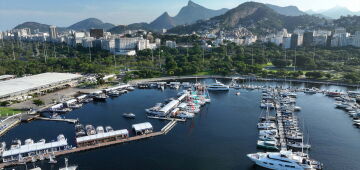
pixel 167 128
pixel 61 120
pixel 166 118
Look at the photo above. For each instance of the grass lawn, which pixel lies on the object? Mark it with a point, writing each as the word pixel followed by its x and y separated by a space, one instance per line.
pixel 202 73
pixel 6 111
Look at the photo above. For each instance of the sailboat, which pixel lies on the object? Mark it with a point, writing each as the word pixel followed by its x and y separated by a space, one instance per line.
pixel 67 167
pixel 52 159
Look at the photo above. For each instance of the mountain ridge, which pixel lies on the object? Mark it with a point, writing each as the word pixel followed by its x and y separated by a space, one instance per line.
pixel 90 23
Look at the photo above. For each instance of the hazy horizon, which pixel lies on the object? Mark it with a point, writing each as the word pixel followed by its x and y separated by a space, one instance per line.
pixel 68 12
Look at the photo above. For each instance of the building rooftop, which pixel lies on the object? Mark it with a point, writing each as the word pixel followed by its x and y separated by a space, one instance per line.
pixel 142 126
pixel 28 83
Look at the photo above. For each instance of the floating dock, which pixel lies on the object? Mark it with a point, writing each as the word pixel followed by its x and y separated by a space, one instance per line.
pixel 166 118
pixel 163 131
pixel 61 120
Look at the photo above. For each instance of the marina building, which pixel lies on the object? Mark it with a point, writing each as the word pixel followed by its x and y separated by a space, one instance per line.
pixel 18 152
pixel 20 88
pixel 102 137
pixel 142 128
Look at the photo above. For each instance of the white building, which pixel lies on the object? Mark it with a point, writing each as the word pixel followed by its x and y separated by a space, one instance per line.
pixel 158 42
pixel 171 44
pixel 286 42
pixel 250 39
pixel 87 42
pixel 143 44
pixel 52 32
pixel 126 44
pixel 109 45
pixel 320 40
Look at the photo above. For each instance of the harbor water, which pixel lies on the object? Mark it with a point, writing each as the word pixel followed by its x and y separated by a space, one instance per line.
pixel 219 137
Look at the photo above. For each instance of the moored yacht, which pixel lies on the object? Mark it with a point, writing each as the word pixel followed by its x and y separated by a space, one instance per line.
pixel 284 160
pixel 217 86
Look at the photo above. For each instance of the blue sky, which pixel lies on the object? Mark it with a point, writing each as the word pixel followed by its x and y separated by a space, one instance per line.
pixel 67 12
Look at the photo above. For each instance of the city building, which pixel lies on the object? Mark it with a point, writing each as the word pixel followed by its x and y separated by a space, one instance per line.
pixel 286 42
pixel 96 33
pixel 158 42
pixel 171 44
pixel 294 41
pixel 126 46
pixel 52 33
pixel 308 39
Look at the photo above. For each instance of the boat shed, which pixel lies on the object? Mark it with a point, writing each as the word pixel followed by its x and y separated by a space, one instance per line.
pixel 81 98
pixel 69 102
pixel 182 97
pixel 142 128
pixel 57 106
pixel 35 148
pixel 166 109
pixel 102 137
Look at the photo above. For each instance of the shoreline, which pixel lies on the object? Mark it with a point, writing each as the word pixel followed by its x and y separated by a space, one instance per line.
pixel 139 81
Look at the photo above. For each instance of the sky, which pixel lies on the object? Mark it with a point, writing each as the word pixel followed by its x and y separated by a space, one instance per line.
pixel 66 12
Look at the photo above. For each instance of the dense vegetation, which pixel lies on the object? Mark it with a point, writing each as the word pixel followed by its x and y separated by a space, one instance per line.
pixel 259 59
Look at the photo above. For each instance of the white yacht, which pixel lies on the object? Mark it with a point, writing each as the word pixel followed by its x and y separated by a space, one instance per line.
pixel 284 160
pixel 217 86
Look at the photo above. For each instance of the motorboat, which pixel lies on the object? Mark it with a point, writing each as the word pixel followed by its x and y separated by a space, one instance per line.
pixel 272 145
pixel 268 137
pixel 284 160
pixel 90 130
pixel 114 93
pixel 185 115
pixel 154 110
pixel 218 86
pixel 109 129
pixel 100 97
pixel 100 129
pixel 129 115
pixel 266 125
pixel 298 145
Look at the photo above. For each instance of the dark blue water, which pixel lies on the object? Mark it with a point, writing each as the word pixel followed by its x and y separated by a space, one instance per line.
pixel 218 138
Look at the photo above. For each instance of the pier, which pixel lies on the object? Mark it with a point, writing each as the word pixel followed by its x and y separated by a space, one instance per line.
pixel 166 118
pixel 60 120
pixel 167 128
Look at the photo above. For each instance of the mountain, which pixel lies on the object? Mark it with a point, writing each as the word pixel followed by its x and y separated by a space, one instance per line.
pixel 188 14
pixel 90 23
pixel 35 25
pixel 164 21
pixel 193 12
pixel 338 11
pixel 256 17
pixel 335 13
pixel 288 10
pixel 351 23
pixel 122 28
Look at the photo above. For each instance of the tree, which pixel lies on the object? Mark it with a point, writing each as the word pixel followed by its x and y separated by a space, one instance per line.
pixel 314 74
pixel 38 102
pixel 281 63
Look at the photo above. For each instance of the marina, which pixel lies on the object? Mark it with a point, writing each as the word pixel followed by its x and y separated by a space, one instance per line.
pixel 213 122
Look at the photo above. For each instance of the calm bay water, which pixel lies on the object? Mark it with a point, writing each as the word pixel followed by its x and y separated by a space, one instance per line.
pixel 219 137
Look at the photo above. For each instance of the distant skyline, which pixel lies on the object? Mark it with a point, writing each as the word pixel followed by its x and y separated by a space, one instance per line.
pixel 63 13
